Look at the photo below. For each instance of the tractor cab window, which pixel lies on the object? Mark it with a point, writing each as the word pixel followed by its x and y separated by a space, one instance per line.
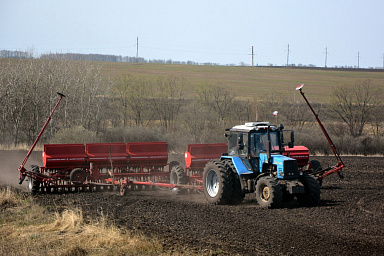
pixel 259 143
pixel 243 145
pixel 232 144
pixel 238 144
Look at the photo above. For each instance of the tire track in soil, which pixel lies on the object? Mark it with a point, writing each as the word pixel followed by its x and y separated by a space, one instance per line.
pixel 372 204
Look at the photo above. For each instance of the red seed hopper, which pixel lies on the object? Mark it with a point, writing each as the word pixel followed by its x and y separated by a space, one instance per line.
pixel 300 153
pixel 58 156
pixel 197 155
pixel 103 154
pixel 147 153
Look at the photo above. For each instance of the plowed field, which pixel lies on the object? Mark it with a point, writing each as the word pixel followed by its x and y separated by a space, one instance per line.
pixel 349 220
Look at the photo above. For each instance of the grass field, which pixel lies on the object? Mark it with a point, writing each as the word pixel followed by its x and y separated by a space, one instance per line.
pixel 252 82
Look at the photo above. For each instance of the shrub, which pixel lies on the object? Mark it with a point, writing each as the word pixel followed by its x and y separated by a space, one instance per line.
pixel 77 134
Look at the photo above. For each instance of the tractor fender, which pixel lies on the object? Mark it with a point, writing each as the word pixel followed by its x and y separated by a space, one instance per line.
pixel 261 175
pixel 239 165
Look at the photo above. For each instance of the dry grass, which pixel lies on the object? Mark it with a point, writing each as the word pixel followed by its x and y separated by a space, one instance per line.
pixel 28 229
pixel 21 146
pixel 9 198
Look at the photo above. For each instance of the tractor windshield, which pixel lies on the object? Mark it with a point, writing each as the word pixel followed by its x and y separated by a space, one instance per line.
pixel 259 143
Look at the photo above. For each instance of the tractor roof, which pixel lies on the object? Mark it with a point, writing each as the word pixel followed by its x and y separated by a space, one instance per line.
pixel 252 126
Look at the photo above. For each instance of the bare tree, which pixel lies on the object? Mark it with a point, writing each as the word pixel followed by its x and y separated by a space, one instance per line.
pixel 377 119
pixel 167 99
pixel 217 98
pixel 138 94
pixel 133 96
pixel 354 104
pixel 28 92
pixel 195 119
pixel 242 111
pixel 295 114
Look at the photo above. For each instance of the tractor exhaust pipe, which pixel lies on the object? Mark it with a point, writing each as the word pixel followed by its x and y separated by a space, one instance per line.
pixel 269 154
pixel 21 168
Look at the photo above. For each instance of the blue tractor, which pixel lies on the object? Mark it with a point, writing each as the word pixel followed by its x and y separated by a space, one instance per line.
pixel 255 163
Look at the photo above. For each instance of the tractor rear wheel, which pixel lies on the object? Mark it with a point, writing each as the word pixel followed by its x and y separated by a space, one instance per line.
pixel 268 193
pixel 78 175
pixel 217 182
pixel 177 177
pixel 312 191
pixel 238 195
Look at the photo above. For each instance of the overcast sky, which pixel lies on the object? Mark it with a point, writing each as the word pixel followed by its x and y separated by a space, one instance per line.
pixel 217 31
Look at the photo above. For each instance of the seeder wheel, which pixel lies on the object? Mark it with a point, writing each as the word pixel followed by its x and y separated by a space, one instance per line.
pixel 78 175
pixel 123 190
pixel 33 184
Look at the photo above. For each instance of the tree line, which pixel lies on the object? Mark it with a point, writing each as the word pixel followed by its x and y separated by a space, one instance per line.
pixel 99 108
pixel 30 54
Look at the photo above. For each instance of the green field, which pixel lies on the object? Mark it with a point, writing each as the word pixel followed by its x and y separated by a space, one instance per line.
pixel 253 82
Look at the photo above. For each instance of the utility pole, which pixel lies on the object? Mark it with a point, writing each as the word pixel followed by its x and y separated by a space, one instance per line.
pixel 326 54
pixel 288 56
pixel 358 59
pixel 252 56
pixel 137 49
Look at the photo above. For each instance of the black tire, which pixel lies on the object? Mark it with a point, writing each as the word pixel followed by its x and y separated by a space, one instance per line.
pixel 238 194
pixel 315 166
pixel 312 191
pixel 123 190
pixel 217 182
pixel 269 193
pixel 177 177
pixel 173 163
pixel 78 176
pixel 33 184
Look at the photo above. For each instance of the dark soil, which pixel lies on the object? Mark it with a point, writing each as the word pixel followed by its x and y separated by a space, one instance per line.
pixel 349 220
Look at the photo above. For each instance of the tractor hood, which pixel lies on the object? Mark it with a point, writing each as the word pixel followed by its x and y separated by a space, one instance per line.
pixel 286 167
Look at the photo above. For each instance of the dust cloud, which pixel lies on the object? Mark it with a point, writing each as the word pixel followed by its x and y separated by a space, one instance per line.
pixel 10 161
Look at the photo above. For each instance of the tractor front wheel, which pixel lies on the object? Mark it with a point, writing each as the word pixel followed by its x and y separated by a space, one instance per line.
pixel 217 182
pixel 268 193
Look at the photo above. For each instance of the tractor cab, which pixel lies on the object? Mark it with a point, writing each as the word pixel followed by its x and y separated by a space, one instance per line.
pixel 258 147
